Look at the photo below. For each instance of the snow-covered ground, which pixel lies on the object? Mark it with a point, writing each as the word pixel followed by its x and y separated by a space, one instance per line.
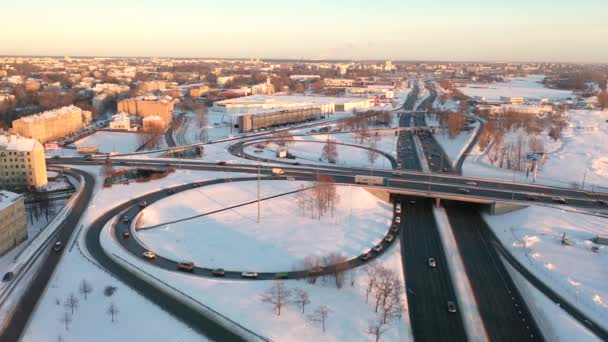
pixel 91 322
pixel 533 235
pixel 309 152
pixel 454 148
pixel 233 239
pixel 240 300
pixel 529 87
pixel 120 142
pixel 580 155
pixel 555 323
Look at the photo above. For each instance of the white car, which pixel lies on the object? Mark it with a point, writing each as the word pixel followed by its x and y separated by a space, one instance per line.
pixel 149 255
pixel 432 262
pixel 398 219
pixel 249 275
pixel 471 183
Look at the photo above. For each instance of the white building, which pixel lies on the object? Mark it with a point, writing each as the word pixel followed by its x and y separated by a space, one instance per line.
pixel 121 121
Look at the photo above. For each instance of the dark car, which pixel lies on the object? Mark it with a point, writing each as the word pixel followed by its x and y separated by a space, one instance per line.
pixel 281 275
pixel 58 246
pixel 531 197
pixel 142 204
pixel 186 266
pixel 8 276
pixel 451 306
pixel 126 234
pixel 170 191
pixel 125 219
pixel 218 272
pixel 221 163
pixel 601 202
pixel 366 256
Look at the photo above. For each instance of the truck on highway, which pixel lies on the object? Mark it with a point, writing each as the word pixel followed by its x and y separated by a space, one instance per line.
pixel 277 171
pixel 370 180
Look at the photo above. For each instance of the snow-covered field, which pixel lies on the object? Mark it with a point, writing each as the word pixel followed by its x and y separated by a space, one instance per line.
pixel 120 142
pixel 240 300
pixel 233 239
pixel 529 87
pixel 454 148
pixel 309 152
pixel 534 235
pixel 90 321
pixel 580 155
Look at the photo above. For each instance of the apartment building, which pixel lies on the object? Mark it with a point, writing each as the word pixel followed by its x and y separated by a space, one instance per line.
pixel 52 124
pixel 13 226
pixel 145 106
pixel 22 163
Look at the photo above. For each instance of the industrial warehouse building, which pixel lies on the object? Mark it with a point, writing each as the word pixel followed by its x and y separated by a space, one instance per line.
pixel 13 227
pixel 264 111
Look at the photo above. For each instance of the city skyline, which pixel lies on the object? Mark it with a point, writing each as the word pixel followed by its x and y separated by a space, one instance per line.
pixel 406 30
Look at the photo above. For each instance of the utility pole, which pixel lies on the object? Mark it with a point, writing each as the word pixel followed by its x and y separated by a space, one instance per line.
pixel 259 180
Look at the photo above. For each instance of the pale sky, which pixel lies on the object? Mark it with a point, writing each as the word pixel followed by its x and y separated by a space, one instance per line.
pixel 459 30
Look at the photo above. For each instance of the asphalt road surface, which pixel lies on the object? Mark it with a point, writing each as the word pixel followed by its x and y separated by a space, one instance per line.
pixel 27 304
pixel 503 310
pixel 428 289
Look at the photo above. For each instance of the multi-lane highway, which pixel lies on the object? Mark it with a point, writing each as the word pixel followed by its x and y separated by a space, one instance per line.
pixel 428 288
pixel 502 308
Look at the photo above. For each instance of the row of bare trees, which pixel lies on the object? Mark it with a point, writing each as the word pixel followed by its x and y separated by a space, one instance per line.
pixel 386 289
pixel 72 303
pixel 318 199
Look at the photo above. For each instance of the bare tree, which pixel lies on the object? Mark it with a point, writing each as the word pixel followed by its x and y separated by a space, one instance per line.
pixel 301 298
pixel 335 263
pixel 330 151
pixel 283 138
pixel 377 328
pixel 310 264
pixel 320 315
pixel 278 295
pixel 85 288
pixel 372 276
pixel 66 319
pixel 112 311
pixel 372 154
pixel 71 302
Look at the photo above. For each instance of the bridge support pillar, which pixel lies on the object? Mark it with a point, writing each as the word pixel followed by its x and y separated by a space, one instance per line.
pixel 437 202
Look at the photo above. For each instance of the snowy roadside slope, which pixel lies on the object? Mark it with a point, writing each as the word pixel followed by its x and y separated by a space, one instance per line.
pixel 533 235
pixel 555 323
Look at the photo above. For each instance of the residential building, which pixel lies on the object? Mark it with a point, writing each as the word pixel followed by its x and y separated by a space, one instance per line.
pixel 120 121
pixel 150 86
pixel 153 123
pixel 52 124
pixel 22 163
pixel 13 226
pixel 145 106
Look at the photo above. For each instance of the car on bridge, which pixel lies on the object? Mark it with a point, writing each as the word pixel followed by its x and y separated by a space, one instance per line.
pixel 559 200
pixel 125 219
pixel 432 262
pixel 366 256
pixel 218 272
pixel 378 248
pixel 250 275
pixel 126 234
pixel 531 197
pixel 186 266
pixel 143 204
pixel 464 191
